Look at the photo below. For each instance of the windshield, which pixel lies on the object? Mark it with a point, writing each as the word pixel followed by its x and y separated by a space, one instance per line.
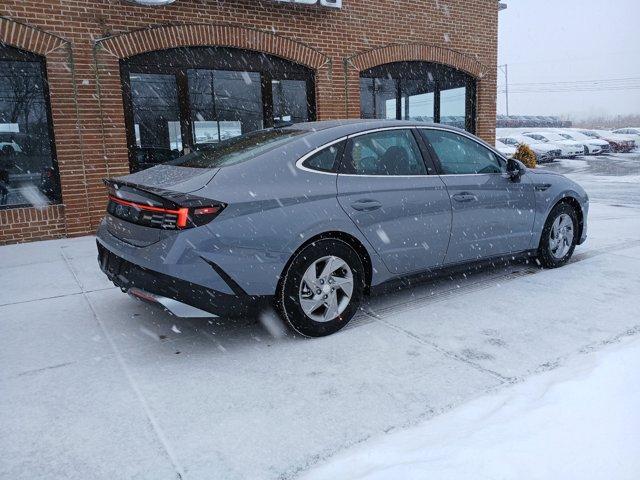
pixel 554 136
pixel 591 134
pixel 236 150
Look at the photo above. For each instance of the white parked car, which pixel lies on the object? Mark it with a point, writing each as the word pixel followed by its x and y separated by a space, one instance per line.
pixel 545 152
pixel 506 150
pixel 569 148
pixel 592 146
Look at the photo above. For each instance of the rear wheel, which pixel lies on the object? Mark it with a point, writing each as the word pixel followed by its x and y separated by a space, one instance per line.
pixel 559 236
pixel 322 288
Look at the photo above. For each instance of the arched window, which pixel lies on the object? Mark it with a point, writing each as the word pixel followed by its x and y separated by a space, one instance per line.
pixel 28 169
pixel 423 91
pixel 182 99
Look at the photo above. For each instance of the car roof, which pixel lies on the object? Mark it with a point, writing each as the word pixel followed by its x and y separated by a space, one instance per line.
pixel 351 126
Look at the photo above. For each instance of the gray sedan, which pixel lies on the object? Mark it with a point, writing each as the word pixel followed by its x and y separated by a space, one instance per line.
pixel 311 217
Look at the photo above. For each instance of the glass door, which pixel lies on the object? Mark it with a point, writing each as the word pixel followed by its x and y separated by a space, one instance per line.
pixel 290 101
pixel 157 132
pixel 223 104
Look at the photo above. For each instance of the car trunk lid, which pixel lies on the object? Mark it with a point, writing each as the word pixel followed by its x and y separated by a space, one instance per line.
pixel 144 207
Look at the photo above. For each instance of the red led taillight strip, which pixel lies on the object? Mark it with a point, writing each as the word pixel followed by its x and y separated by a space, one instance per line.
pixel 182 213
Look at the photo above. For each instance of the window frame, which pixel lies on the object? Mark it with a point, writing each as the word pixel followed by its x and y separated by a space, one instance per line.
pixel 15 54
pixel 420 70
pixel 172 61
pixel 502 160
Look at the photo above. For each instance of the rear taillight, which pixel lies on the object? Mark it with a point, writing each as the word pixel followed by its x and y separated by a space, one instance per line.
pixel 168 218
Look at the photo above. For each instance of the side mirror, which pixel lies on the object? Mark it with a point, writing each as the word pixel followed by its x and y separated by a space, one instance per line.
pixel 515 169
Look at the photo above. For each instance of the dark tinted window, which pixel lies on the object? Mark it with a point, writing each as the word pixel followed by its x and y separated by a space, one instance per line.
pixel 183 99
pixel 388 152
pixel 461 155
pixel 28 170
pixel 421 91
pixel 378 98
pixel 325 160
pixel 236 150
pixel 224 104
pixel 290 101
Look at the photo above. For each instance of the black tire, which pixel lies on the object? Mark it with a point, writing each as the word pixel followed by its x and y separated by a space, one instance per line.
pixel 545 249
pixel 288 297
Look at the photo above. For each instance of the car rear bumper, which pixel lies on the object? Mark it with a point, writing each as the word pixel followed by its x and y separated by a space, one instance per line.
pixel 175 294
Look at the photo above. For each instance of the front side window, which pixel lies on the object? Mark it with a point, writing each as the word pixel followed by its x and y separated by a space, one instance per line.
pixel 388 152
pixel 460 155
pixel 28 169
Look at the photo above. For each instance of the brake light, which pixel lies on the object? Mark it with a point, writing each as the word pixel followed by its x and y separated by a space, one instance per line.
pixel 161 217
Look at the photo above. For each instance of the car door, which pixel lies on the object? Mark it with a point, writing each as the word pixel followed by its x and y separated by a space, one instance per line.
pixel 385 187
pixel 492 214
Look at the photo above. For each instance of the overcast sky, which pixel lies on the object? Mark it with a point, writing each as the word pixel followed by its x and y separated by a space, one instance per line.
pixel 552 44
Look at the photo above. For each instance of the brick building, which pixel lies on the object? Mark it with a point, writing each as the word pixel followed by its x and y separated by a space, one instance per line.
pixel 96 88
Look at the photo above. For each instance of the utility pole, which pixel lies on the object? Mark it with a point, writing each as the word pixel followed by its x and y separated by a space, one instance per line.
pixel 505 69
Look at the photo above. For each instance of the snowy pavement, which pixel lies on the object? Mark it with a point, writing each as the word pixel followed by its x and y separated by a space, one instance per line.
pixel 576 422
pixel 96 385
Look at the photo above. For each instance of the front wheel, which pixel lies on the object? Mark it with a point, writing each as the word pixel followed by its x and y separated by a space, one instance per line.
pixel 322 288
pixel 558 239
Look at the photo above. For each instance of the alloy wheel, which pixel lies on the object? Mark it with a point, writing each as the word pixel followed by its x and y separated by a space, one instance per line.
pixel 561 236
pixel 326 289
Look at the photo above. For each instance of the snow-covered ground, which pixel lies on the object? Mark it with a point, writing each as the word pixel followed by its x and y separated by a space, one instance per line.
pixel 96 385
pixel 580 421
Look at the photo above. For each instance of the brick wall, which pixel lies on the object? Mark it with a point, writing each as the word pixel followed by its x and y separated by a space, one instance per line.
pixel 83 40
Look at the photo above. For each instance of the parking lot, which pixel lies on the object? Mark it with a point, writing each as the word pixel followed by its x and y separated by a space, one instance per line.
pixel 97 385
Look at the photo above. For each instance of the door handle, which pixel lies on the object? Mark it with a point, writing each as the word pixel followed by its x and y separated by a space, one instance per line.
pixel 464 197
pixel 366 205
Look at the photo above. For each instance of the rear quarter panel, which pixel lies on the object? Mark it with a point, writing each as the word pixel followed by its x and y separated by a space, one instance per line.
pixel 273 208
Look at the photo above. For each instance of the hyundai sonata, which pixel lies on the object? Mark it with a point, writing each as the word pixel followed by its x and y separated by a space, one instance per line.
pixel 311 217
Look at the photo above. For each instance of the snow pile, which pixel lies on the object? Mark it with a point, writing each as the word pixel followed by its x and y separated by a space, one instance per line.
pixel 581 421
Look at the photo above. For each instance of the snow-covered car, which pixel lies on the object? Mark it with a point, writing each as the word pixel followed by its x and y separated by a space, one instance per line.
pixel 569 148
pixel 506 150
pixel 619 143
pixel 545 152
pixel 592 146
pixel 630 132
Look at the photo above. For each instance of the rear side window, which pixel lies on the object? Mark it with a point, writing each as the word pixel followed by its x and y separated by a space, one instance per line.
pixel 326 159
pixel 388 152
pixel 459 155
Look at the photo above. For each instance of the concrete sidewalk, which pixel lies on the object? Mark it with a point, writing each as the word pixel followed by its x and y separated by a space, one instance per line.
pixel 96 385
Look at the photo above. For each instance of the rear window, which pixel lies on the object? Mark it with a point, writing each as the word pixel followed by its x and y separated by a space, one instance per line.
pixel 236 150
